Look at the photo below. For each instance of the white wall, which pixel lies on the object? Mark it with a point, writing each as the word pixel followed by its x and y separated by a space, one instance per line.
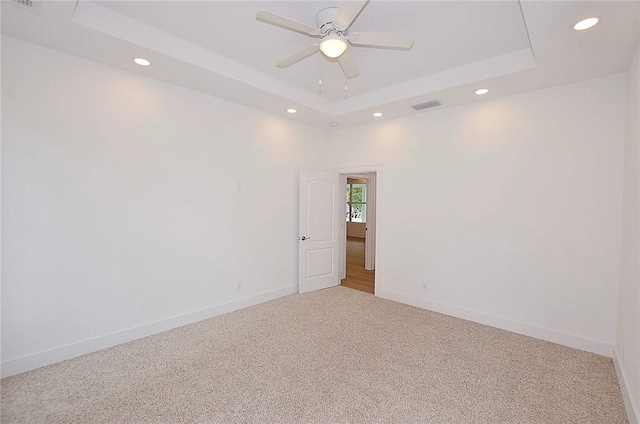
pixel 121 204
pixel 509 209
pixel 628 337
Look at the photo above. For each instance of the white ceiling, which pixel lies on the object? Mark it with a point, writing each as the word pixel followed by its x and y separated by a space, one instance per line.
pixel 491 29
pixel 219 48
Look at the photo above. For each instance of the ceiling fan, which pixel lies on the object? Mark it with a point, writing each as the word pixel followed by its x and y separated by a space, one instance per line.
pixel 333 25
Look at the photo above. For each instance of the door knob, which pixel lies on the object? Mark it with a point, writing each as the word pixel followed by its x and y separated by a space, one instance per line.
pixel 303 238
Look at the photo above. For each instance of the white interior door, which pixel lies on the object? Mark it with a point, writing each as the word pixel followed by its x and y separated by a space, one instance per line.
pixel 319 242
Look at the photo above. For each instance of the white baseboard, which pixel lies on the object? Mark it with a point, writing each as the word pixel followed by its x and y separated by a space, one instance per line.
pixel 632 409
pixel 47 357
pixel 571 340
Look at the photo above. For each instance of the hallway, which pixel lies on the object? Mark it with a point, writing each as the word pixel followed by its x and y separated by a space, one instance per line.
pixel 358 278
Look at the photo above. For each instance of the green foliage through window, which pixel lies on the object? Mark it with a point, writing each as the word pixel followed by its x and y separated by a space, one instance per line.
pixel 356 197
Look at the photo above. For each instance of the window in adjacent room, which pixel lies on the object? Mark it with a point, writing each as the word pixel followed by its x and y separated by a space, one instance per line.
pixel 356 200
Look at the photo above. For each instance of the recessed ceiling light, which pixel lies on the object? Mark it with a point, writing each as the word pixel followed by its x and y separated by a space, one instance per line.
pixel 142 62
pixel 482 91
pixel 292 110
pixel 586 24
pixel 377 114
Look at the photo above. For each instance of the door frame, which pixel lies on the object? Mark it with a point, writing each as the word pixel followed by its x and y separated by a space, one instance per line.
pixel 377 169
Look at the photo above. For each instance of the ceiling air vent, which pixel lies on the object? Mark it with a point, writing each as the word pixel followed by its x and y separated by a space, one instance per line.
pixel 30 5
pixel 427 105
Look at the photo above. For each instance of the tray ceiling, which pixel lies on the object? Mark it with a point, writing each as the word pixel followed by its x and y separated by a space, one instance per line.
pixel 219 48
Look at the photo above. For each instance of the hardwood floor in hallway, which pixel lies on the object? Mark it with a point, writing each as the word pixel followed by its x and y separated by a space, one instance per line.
pixel 358 278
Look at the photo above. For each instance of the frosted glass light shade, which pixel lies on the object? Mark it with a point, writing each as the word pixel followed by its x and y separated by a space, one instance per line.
pixel 333 46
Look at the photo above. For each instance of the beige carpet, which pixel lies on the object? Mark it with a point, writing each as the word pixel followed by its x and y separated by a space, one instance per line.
pixel 333 356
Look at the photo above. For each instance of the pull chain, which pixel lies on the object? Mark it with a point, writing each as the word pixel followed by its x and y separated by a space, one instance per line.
pixel 320 74
pixel 346 81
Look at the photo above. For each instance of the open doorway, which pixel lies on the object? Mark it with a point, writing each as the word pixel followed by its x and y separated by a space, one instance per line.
pixel 359 231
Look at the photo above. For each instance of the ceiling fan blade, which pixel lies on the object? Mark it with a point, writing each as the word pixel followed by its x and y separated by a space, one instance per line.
pixel 348 11
pixel 297 57
pixel 348 66
pixel 386 41
pixel 286 23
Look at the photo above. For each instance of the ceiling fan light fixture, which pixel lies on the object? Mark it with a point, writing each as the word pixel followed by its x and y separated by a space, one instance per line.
pixel 333 46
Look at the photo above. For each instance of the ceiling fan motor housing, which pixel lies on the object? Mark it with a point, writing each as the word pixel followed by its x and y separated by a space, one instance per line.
pixel 324 20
